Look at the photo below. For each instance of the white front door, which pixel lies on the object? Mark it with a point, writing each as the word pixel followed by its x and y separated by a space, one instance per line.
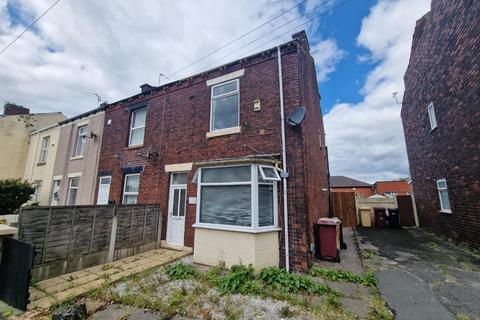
pixel 177 203
pixel 104 190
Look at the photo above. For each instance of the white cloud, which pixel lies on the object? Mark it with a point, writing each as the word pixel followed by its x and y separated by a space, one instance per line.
pixel 327 55
pixel 366 139
pixel 111 47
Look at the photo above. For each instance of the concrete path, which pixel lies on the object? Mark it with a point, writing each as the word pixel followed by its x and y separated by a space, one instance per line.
pixel 349 258
pixel 53 290
pixel 421 276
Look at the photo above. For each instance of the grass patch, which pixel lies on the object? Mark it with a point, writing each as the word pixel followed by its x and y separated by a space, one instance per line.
pixel 344 275
pixel 380 310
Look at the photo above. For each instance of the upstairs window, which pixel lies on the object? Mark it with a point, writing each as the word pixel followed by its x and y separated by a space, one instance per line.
pixel 137 127
pixel 443 195
pixel 44 150
pixel 225 111
pixel 236 198
pixel 81 141
pixel 431 116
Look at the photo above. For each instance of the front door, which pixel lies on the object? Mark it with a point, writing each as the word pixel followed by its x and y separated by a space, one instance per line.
pixel 177 204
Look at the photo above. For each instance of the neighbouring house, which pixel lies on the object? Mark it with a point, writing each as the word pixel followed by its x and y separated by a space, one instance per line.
pixel 392 188
pixel 208 149
pixel 441 116
pixel 40 161
pixel 16 124
pixel 346 184
pixel 75 173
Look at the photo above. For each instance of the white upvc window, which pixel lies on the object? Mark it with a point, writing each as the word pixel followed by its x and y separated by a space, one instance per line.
pixel 44 150
pixel 73 184
pixel 131 187
pixel 137 127
pixel 443 195
pixel 236 198
pixel 225 105
pixel 431 116
pixel 81 141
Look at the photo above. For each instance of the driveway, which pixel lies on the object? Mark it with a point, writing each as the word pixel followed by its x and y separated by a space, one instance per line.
pixel 420 276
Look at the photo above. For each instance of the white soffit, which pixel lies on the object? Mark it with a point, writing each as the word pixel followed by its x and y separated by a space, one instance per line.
pixel 225 77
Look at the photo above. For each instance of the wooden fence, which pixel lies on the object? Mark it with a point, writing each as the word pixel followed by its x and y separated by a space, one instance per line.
pixel 89 234
pixel 343 205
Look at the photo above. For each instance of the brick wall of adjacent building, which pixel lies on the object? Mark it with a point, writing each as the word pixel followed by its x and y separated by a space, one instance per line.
pixel 178 118
pixel 445 69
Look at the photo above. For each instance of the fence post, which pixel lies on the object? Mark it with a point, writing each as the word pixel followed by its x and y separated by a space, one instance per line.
pixel 113 235
pixel 45 235
pixel 144 224
pixel 71 232
pixel 93 229
pixel 159 225
pixel 131 225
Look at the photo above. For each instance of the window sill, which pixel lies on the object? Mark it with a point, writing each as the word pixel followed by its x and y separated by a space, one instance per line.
pixel 77 157
pixel 134 147
pixel 223 132
pixel 41 163
pixel 444 211
pixel 235 229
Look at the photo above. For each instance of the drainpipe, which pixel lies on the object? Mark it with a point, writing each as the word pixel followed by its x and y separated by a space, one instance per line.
pixel 284 161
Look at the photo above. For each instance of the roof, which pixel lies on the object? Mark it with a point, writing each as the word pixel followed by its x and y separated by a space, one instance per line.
pixel 345 182
pixel 85 114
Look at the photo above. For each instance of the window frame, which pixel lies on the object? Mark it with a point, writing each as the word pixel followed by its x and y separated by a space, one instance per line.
pixel 431 116
pixel 44 150
pixel 440 190
pixel 76 151
pixel 131 127
pixel 264 177
pixel 130 193
pixel 237 92
pixel 70 188
pixel 254 183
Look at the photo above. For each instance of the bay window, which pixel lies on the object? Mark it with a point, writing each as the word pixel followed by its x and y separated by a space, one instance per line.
pixel 237 198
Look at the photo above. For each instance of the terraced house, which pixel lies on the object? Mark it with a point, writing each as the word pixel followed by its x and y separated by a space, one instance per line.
pixel 218 153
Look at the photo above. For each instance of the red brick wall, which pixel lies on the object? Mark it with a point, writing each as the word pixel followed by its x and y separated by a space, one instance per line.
pixel 399 187
pixel 178 118
pixel 445 69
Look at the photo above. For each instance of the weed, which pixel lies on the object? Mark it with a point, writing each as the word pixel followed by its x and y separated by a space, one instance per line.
pixel 181 271
pixel 380 310
pixel 332 301
pixel 238 280
pixel 213 276
pixel 344 275
pixel 106 267
pixel 70 278
pixel 231 311
pixel 281 280
pixel 34 282
pixel 286 312
pixel 105 277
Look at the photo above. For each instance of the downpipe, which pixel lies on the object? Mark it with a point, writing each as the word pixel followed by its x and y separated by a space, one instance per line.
pixel 284 173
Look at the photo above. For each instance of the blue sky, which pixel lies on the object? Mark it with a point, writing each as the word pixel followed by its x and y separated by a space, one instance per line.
pixel 82 49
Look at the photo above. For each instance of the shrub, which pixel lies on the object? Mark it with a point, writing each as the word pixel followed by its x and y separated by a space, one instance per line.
pixel 281 280
pixel 181 271
pixel 344 275
pixel 14 193
pixel 240 279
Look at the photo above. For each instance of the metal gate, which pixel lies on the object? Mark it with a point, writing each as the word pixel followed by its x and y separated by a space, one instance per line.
pixel 15 272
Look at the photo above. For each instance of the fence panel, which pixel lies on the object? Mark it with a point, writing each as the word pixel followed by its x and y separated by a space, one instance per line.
pixel 32 229
pixel 343 204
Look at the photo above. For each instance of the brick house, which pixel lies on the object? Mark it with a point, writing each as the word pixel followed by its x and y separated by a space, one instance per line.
pixel 208 149
pixel 392 188
pixel 346 184
pixel 441 116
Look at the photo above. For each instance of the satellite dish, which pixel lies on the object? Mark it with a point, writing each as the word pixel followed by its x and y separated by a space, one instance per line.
pixel 296 117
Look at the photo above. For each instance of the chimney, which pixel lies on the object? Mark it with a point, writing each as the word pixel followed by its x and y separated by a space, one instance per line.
pixel 146 87
pixel 11 109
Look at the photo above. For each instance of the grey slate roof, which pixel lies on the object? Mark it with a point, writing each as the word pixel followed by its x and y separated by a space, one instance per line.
pixel 345 182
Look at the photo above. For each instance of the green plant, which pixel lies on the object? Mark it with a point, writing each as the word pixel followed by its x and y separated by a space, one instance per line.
pixel 380 310
pixel 181 271
pixel 213 276
pixel 238 280
pixel 14 193
pixel 332 301
pixel 343 275
pixel 281 280
pixel 286 312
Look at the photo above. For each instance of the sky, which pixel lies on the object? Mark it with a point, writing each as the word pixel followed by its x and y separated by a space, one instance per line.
pixel 84 49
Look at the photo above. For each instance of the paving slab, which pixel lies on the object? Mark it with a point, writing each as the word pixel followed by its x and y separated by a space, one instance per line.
pixel 73 284
pixel 116 311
